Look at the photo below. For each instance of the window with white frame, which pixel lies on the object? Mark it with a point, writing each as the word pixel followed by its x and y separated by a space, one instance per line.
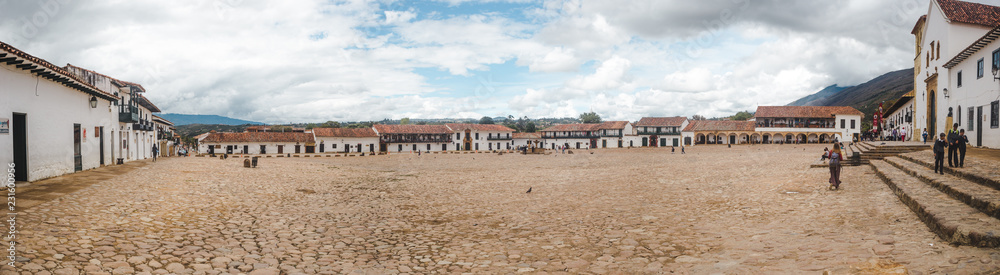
pixel 995 114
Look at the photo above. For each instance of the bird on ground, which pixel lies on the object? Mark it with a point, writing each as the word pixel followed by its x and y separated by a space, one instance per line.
pixel 529 190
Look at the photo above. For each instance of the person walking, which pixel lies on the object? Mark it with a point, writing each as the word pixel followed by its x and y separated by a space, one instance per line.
pixel 963 140
pixel 953 146
pixel 835 158
pixel 682 150
pixel 939 146
pixel 156 151
pixel 925 135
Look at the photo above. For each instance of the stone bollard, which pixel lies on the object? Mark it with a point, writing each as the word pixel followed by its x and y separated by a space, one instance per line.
pixel 246 163
pixel 222 156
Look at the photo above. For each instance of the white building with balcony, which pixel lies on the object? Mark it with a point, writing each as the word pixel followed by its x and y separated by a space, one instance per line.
pixel 51 121
pixel 807 124
pixel 660 131
pixel 481 136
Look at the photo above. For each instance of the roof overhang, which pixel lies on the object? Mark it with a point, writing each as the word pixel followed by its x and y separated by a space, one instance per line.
pixel 36 66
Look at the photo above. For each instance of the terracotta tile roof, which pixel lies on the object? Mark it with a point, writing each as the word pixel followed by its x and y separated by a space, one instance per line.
pixel 478 127
pixel 719 125
pixel 612 125
pixel 527 135
pixel 260 137
pixel 50 71
pixel 576 127
pixel 970 13
pixel 805 111
pixel 411 129
pixel 661 121
pixel 344 132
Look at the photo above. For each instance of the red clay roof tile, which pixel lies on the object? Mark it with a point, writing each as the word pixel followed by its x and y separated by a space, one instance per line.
pixel 719 125
pixel 344 132
pixel 971 13
pixel 661 121
pixel 479 127
pixel 260 137
pixel 412 129
pixel 805 111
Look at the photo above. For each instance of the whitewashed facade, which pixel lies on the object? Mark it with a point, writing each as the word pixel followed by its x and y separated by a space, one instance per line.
pixel 344 140
pixel 660 131
pixel 481 137
pixel 413 138
pixel 48 125
pixel 256 143
pixel 941 35
pixel 899 118
pixel 135 133
pixel 974 95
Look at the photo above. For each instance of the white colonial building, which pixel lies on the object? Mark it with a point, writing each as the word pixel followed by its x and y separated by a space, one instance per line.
pixel 949 77
pixel 720 132
pixel 481 136
pixel 257 143
pixel 51 121
pixel 135 133
pixel 528 139
pixel 974 96
pixel 660 131
pixel 412 138
pixel 899 118
pixel 608 134
pixel 346 140
pixel 807 124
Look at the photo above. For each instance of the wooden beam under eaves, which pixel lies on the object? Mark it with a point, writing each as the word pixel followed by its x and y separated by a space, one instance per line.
pixel 7 59
pixel 27 66
pixel 14 62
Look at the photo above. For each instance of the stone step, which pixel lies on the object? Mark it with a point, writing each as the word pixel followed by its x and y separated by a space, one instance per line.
pixel 981 172
pixel 952 220
pixel 985 199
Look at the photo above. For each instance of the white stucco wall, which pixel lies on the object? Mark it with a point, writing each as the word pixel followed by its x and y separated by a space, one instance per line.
pixel 51 110
pixel 408 147
pixel 483 141
pixel 975 92
pixel 253 148
pixel 953 38
pixel 368 144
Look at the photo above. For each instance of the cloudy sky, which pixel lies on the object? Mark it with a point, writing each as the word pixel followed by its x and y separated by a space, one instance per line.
pixel 349 60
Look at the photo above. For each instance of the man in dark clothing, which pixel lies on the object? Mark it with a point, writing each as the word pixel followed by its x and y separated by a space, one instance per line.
pixel 939 146
pixel 156 151
pixel 953 146
pixel 962 141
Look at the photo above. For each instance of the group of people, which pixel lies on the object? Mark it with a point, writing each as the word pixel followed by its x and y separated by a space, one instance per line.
pixel 955 141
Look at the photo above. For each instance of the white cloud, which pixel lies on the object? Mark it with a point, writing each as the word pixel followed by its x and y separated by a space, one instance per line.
pixel 317 60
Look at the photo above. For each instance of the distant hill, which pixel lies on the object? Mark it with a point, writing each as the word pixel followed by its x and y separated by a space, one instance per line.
pixel 865 97
pixel 182 119
pixel 818 97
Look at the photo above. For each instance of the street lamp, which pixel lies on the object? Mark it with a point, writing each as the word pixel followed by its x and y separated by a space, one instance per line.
pixel 945 90
pixel 996 71
pixel 93 102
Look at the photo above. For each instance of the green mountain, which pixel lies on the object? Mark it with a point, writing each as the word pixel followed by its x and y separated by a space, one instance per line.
pixel 865 97
pixel 182 119
pixel 825 93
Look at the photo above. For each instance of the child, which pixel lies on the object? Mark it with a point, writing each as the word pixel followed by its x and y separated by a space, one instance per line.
pixel 939 146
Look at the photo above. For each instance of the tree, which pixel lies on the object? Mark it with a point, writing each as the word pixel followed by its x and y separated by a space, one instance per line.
pixel 743 116
pixel 404 121
pixel 590 117
pixel 697 117
pixel 530 128
pixel 281 128
pixel 330 124
pixel 486 120
pixel 422 122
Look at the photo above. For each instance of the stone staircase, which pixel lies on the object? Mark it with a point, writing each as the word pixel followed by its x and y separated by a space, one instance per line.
pixel 870 151
pixel 962 206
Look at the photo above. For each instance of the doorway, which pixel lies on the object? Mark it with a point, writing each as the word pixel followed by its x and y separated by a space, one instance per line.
pixel 281 149
pixel 732 139
pixel 979 126
pixel 246 149
pixel 604 143
pixel 20 147
pixel 931 114
pixel 100 136
pixel 298 149
pixel 77 155
pixel 676 141
pixel 645 142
